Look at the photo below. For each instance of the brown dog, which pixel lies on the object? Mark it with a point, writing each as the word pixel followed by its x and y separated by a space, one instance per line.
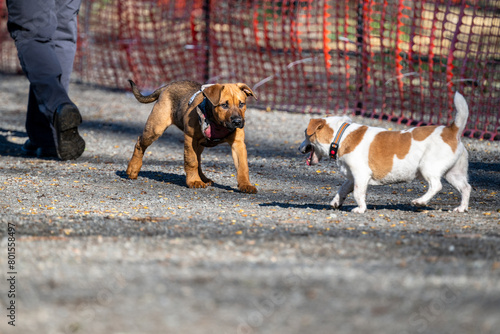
pixel 208 115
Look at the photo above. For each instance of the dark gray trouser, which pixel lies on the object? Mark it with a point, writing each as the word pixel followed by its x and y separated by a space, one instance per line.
pixel 45 35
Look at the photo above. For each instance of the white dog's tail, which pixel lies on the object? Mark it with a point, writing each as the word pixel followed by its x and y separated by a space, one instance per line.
pixel 462 113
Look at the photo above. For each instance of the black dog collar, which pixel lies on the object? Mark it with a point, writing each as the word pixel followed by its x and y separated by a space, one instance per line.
pixel 334 146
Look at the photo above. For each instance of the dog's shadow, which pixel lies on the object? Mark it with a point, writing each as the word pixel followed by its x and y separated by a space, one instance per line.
pixel 169 178
pixel 176 179
pixel 348 208
pixel 296 206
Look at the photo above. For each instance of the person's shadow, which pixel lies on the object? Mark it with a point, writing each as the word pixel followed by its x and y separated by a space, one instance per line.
pixel 8 148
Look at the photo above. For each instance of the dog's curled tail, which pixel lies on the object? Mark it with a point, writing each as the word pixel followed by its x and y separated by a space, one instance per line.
pixel 144 99
pixel 462 113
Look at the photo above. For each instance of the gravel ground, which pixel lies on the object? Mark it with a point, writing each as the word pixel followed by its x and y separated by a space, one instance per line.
pixel 99 253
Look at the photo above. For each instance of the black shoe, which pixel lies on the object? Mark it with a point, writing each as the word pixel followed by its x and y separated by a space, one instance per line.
pixel 69 144
pixel 40 152
pixel 29 148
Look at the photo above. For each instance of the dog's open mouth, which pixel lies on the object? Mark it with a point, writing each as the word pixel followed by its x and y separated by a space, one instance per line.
pixel 313 158
pixel 214 131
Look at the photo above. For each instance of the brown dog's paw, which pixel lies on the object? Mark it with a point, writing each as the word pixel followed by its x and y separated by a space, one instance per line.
pixel 248 188
pixel 198 184
pixel 133 168
pixel 132 174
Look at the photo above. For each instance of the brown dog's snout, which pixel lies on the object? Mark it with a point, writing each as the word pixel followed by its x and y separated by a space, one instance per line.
pixel 237 121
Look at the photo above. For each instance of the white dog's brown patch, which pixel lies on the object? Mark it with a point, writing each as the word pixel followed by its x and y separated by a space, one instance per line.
pixel 319 131
pixel 352 140
pixel 421 133
pixel 450 136
pixel 384 147
pixel 388 144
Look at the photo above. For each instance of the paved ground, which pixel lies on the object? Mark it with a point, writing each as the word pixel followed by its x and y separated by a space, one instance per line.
pixel 98 253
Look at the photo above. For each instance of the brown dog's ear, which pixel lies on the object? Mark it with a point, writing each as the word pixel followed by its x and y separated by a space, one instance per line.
pixel 315 124
pixel 246 90
pixel 213 92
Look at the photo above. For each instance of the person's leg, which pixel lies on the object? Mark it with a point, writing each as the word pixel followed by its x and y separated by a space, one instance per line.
pixel 33 24
pixel 28 29
pixel 65 36
pixel 67 117
pixel 45 37
pixel 38 129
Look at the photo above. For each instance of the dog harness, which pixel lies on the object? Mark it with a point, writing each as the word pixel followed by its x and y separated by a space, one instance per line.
pixel 334 146
pixel 213 132
pixel 198 92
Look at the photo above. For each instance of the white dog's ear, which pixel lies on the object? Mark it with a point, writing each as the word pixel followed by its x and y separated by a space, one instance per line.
pixel 315 124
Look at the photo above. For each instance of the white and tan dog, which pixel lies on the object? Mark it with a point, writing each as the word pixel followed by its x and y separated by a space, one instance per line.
pixel 375 156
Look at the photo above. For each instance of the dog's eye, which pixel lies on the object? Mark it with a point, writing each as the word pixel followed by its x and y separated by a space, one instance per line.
pixel 242 104
pixel 225 105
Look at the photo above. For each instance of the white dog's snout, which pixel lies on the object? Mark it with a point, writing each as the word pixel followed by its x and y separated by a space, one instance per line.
pixel 304 147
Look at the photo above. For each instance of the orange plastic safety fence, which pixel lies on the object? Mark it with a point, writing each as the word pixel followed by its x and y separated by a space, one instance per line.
pixel 391 59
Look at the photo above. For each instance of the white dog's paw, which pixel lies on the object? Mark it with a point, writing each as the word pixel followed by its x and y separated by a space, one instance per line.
pixel 336 203
pixel 359 210
pixel 460 209
pixel 419 202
